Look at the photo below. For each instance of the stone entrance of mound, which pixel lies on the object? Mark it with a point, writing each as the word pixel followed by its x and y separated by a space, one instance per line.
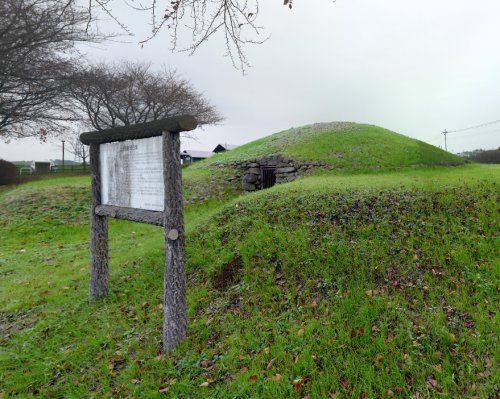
pixel 270 170
pixel 267 176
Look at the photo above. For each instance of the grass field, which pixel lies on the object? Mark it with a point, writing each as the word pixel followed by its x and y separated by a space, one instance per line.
pixel 381 284
pixel 365 285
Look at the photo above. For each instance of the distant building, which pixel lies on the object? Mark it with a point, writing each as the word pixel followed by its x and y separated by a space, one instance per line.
pixel 189 156
pixel 224 147
pixel 25 171
pixel 41 167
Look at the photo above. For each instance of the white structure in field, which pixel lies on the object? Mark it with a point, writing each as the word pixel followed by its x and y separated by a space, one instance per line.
pixel 132 174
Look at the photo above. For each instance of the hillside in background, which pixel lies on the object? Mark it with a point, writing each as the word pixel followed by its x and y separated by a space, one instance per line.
pixel 342 145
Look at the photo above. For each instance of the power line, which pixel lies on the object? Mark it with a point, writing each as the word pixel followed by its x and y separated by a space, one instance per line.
pixel 478 134
pixel 474 127
pixel 446 132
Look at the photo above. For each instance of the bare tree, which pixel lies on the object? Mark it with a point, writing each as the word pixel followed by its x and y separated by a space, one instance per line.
pixel 37 38
pixel 235 20
pixel 78 149
pixel 131 93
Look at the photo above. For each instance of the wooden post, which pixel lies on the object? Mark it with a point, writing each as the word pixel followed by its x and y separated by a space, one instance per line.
pixel 175 310
pixel 99 272
pixel 174 287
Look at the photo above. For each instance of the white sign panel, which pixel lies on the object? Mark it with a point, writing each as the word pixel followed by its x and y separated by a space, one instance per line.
pixel 132 174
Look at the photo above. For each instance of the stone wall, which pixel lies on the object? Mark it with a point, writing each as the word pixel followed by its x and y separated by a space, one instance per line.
pixel 287 170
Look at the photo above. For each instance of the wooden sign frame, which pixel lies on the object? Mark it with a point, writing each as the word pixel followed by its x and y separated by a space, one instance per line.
pixel 172 218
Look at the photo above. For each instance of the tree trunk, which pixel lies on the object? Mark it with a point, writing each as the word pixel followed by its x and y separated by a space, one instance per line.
pixel 84 158
pixel 174 295
pixel 99 272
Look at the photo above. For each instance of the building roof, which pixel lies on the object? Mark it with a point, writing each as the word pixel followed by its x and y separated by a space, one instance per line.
pixel 197 154
pixel 224 147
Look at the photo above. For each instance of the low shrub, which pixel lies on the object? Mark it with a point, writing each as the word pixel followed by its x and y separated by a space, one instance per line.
pixel 8 173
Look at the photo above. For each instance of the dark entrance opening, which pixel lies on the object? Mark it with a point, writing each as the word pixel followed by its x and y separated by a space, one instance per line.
pixel 268 176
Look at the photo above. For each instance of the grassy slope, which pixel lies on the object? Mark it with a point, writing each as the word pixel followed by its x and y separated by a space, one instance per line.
pixel 342 145
pixel 346 147
pixel 330 285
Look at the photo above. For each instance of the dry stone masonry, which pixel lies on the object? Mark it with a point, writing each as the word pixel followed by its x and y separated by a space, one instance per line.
pixel 250 172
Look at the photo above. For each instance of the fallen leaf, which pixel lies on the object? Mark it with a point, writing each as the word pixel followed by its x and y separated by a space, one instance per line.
pixel 431 381
pixel 270 363
pixel 483 374
pixel 206 364
pixel 277 377
pixel 163 390
pixel 409 379
pixel 116 363
pixel 301 332
pixel 205 384
pixel 252 378
pixel 300 382
pixel 297 384
pixel 344 382
pixel 356 331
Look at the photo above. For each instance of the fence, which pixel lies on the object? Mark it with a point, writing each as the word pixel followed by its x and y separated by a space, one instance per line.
pixel 77 169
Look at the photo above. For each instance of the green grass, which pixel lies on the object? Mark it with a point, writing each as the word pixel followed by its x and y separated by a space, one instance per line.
pixel 343 146
pixel 368 285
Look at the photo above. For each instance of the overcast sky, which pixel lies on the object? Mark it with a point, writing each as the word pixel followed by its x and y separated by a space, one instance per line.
pixel 415 67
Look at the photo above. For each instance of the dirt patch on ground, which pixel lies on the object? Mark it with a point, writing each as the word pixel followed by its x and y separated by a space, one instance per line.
pixel 229 274
pixel 11 323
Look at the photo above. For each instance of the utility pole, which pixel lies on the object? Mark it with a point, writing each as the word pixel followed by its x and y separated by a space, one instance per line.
pixel 62 155
pixel 445 145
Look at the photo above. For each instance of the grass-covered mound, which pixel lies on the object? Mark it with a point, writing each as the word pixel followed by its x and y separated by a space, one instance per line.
pixel 367 286
pixel 342 145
